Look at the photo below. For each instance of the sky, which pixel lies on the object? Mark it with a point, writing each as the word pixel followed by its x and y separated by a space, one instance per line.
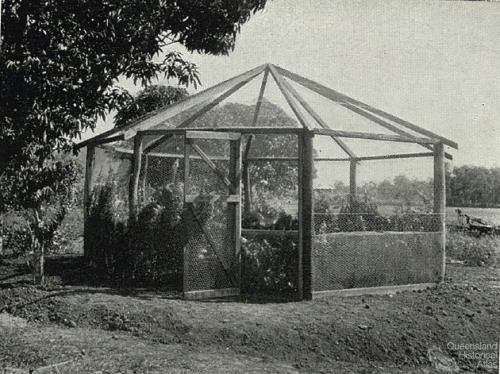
pixel 434 63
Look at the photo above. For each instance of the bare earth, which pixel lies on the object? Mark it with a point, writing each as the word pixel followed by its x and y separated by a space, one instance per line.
pixel 71 327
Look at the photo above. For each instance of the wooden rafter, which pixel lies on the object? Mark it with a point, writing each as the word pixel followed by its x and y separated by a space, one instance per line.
pixel 341 98
pixel 165 113
pixel 319 120
pixel 386 125
pixel 247 198
pixel 258 104
pixel 202 111
pixel 282 86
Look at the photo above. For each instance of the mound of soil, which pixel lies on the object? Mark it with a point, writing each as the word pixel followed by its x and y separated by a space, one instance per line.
pixel 400 331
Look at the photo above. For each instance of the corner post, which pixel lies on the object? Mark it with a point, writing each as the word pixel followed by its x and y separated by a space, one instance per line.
pixel 306 167
pixel 352 179
pixel 87 198
pixel 136 172
pixel 234 208
pixel 440 198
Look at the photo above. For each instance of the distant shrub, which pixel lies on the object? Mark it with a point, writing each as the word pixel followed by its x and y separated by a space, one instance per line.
pixel 474 251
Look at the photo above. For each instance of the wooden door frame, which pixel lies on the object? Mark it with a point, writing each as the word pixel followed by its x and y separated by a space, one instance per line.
pixel 233 209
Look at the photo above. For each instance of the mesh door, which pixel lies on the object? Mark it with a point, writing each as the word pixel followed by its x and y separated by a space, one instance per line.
pixel 210 259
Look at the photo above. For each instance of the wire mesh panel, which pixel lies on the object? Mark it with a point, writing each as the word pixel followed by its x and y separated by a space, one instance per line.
pixel 107 214
pixel 270 220
pixel 211 261
pixel 373 224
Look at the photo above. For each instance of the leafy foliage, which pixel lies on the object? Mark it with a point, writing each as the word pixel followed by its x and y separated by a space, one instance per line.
pixel 148 250
pixel 42 193
pixel 61 60
pixel 270 265
pixel 473 186
pixel 148 100
pixel 474 251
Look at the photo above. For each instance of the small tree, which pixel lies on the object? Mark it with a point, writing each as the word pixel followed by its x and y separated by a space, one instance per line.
pixel 43 192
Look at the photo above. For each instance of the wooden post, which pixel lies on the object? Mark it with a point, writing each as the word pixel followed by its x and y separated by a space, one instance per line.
pixel 136 172
pixel 306 167
pixel 187 153
pixel 440 198
pixel 144 176
pixel 87 199
pixel 247 186
pixel 352 180
pixel 234 208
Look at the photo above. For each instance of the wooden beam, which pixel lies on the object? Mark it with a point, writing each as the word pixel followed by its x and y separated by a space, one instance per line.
pixel 402 155
pixel 241 130
pixel 187 155
pixel 378 290
pixel 341 98
pixel 98 141
pixel 134 183
pixel 202 111
pixel 212 166
pixel 352 179
pixel 386 125
pixel 270 233
pixel 440 199
pixel 129 152
pixel 165 113
pixel 319 120
pixel 282 87
pixel 234 208
pixel 306 213
pixel 258 104
pixel 87 198
pixel 228 198
pixel 382 137
pixel 211 294
pixel 212 135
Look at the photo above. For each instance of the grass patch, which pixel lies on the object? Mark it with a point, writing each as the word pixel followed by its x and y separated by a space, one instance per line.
pixel 472 250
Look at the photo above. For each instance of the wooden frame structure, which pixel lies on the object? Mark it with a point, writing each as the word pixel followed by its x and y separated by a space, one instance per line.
pixel 156 125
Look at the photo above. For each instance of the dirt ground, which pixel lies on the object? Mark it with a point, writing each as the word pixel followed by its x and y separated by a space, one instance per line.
pixel 72 327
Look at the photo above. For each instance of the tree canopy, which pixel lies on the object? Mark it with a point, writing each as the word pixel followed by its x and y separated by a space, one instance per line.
pixel 148 100
pixel 60 61
pixel 473 186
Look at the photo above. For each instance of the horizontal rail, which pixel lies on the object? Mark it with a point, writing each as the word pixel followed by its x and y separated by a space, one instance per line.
pixel 241 130
pixel 402 155
pixel 370 136
pixel 130 152
pixel 268 233
pixel 212 135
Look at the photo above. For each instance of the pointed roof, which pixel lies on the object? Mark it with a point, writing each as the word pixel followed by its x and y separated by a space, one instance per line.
pixel 210 97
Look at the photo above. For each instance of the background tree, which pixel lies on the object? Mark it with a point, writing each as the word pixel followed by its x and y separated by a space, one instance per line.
pixel 43 193
pixel 473 186
pixel 148 100
pixel 61 60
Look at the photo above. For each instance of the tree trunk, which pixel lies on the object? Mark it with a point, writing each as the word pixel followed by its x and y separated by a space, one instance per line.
pixel 38 251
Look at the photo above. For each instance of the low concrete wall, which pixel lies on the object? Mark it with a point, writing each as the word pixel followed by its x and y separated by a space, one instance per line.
pixel 369 259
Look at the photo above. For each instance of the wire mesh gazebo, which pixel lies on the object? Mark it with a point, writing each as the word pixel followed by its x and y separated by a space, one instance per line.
pixel 333 251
